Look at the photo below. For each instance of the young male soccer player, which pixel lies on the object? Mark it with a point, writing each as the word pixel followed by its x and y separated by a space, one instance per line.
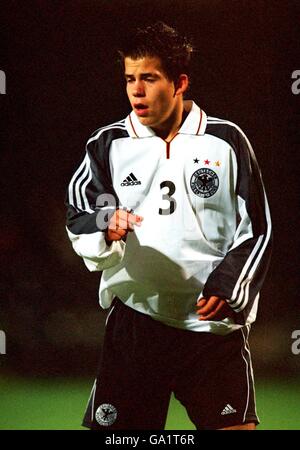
pixel 169 204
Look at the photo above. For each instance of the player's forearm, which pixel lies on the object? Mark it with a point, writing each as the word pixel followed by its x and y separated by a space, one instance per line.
pixel 96 253
pixel 239 277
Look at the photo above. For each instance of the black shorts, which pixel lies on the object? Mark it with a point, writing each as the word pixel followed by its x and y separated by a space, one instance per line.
pixel 143 361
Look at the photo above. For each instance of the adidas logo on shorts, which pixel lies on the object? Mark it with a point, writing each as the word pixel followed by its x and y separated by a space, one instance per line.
pixel 131 180
pixel 228 410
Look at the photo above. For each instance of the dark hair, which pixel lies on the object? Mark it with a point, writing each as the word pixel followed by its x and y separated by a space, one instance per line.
pixel 164 42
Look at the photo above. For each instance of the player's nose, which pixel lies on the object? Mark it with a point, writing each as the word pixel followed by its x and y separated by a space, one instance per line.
pixel 138 89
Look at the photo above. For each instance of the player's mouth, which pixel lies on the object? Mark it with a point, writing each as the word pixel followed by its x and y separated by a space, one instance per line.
pixel 141 109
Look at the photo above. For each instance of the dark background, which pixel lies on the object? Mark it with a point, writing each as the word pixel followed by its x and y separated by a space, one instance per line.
pixel 63 82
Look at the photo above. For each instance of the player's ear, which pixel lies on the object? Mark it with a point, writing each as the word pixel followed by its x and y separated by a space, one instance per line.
pixel 182 84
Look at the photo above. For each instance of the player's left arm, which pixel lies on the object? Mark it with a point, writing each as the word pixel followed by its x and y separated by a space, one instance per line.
pixel 237 280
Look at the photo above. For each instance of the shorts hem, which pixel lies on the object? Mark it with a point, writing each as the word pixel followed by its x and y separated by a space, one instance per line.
pixel 219 426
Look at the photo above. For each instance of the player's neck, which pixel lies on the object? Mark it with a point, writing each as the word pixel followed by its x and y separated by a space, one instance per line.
pixel 168 129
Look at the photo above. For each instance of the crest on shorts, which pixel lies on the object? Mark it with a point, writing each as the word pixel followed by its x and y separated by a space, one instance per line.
pixel 106 414
pixel 204 182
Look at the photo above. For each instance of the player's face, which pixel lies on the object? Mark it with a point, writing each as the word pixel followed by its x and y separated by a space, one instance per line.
pixel 151 94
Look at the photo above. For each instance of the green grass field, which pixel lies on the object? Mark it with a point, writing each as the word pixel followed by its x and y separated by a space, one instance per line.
pixel 58 404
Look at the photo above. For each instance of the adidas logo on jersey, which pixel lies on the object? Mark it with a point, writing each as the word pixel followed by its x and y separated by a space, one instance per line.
pixel 131 180
pixel 228 410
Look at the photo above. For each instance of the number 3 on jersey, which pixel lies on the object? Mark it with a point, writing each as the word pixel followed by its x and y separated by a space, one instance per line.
pixel 168 196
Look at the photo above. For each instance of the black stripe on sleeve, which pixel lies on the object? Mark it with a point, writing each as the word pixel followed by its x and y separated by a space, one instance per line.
pixel 79 220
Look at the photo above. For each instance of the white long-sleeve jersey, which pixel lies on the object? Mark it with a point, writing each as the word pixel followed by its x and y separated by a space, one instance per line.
pixel 206 228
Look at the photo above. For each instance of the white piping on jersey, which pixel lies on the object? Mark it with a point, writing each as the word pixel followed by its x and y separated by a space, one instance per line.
pixel 268 235
pixel 262 249
pixel 254 259
pixel 86 174
pixel 239 284
pixel 73 180
pixel 118 125
pixel 244 295
pixel 244 286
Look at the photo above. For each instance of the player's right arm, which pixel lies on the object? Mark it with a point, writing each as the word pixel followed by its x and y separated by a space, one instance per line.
pixel 92 207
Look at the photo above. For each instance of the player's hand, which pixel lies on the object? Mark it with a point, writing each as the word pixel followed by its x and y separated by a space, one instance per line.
pixel 213 308
pixel 121 223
